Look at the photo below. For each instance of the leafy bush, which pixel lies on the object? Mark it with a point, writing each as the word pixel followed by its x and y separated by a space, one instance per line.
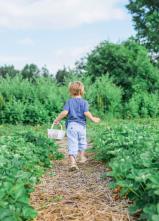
pixel 105 96
pixel 128 63
pixel 30 102
pixel 8 70
pixel 132 151
pixel 24 157
pixel 143 104
pixel 119 80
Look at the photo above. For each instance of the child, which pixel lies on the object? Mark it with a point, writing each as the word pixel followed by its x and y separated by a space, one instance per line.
pixel 77 110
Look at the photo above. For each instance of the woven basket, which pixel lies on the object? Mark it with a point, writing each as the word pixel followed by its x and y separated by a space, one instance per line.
pixel 56 133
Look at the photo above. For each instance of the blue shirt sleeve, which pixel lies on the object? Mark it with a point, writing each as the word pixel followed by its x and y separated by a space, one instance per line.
pixel 86 107
pixel 66 106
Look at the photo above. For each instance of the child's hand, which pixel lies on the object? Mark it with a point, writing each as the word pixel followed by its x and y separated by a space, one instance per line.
pixel 56 122
pixel 96 120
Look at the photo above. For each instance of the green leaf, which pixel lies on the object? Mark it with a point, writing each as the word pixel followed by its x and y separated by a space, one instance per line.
pixel 11 218
pixel 158 208
pixel 18 191
pixel 29 213
pixel 156 192
pixel 4 213
pixel 155 218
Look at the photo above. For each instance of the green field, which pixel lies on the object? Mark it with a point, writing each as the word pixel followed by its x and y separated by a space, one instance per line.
pixel 129 148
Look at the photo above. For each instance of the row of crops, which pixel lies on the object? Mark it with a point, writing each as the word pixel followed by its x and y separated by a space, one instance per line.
pixel 131 151
pixel 24 156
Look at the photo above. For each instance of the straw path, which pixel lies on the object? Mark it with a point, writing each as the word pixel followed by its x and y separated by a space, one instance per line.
pixel 77 196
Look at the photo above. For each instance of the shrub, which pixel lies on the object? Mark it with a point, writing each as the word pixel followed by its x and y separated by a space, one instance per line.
pixel 131 151
pixel 25 155
pixel 143 104
pixel 105 96
pixel 25 101
pixel 128 63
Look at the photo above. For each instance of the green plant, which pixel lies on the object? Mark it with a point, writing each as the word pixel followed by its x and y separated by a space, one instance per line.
pixel 132 152
pixel 24 101
pixel 24 157
pixel 143 104
pixel 128 63
pixel 105 96
pixel 145 17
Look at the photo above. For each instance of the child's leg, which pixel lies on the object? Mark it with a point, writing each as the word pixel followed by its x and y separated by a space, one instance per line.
pixel 72 139
pixel 81 153
pixel 72 159
pixel 82 145
pixel 82 156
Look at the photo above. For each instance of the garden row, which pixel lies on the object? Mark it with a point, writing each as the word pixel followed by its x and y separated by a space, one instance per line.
pixel 23 158
pixel 132 153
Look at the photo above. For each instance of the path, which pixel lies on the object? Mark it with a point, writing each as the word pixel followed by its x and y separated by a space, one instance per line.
pixel 77 196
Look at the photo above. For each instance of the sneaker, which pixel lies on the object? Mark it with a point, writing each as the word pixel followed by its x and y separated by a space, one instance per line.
pixel 73 167
pixel 83 159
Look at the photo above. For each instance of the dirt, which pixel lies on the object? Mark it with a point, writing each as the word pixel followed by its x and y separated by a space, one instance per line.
pixel 81 195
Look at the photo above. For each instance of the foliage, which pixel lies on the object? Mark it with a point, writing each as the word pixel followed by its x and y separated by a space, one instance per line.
pixel 61 75
pixel 146 18
pixel 8 71
pixel 23 159
pixel 30 102
pixel 104 96
pixel 127 63
pixel 119 80
pixel 132 152
pixel 143 105
pixel 30 71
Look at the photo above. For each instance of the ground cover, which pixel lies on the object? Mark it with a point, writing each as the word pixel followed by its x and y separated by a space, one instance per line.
pixel 131 151
pixel 25 153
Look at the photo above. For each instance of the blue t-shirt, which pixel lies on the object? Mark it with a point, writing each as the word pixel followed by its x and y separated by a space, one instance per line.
pixel 76 108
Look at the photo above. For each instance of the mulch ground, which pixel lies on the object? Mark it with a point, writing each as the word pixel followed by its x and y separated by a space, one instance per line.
pixel 78 195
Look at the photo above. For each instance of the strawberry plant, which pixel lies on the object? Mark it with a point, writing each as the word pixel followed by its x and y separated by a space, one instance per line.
pixel 132 153
pixel 23 159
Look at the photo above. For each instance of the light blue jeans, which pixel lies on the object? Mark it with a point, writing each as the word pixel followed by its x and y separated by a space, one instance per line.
pixel 76 138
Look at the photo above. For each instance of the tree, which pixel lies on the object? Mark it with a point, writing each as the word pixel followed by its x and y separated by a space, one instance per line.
pixel 30 71
pixel 128 64
pixel 146 20
pixel 45 72
pixel 61 75
pixel 8 70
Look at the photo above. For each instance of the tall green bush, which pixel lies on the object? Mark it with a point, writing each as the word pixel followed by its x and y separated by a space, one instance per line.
pixel 127 63
pixel 143 104
pixel 104 96
pixel 25 101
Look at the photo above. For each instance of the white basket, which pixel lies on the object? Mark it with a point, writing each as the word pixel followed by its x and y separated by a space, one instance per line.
pixel 55 133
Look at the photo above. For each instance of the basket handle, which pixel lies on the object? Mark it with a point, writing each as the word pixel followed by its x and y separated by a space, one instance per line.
pixel 52 126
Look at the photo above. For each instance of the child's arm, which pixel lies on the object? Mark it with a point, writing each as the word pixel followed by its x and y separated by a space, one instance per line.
pixel 91 117
pixel 61 116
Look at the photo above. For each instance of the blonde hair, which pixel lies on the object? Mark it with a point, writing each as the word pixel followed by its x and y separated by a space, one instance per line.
pixel 76 88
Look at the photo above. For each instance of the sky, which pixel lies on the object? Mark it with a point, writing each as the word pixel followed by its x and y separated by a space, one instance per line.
pixel 57 33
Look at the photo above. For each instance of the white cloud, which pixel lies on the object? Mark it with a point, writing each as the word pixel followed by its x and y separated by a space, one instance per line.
pixel 57 13
pixel 68 56
pixel 11 59
pixel 69 53
pixel 26 41
pixel 58 59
